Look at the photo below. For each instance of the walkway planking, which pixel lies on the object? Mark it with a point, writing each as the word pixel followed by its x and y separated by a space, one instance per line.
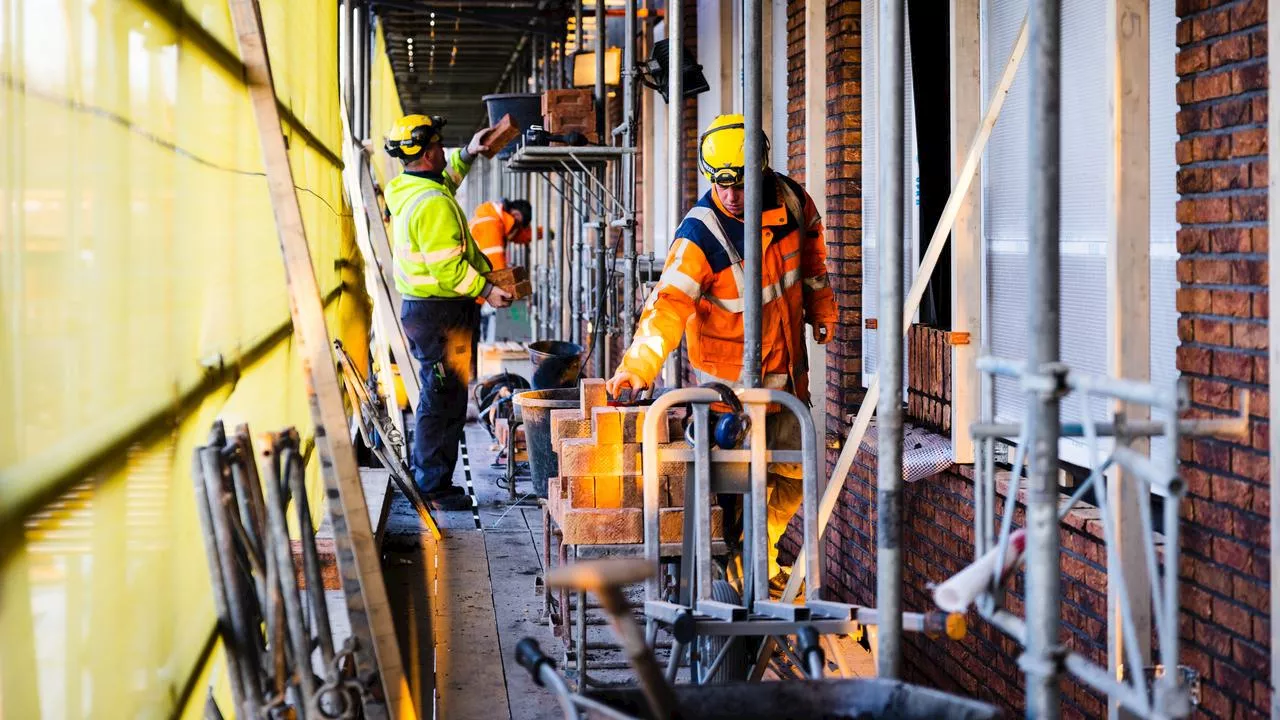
pixel 482 589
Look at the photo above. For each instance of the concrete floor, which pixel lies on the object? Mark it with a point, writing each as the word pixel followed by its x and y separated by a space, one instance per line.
pixel 462 603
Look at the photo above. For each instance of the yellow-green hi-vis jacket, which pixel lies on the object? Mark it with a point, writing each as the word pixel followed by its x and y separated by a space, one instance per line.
pixel 435 255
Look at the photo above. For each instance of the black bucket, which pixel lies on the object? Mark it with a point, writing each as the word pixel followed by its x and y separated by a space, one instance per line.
pixel 525 109
pixel 534 407
pixel 557 364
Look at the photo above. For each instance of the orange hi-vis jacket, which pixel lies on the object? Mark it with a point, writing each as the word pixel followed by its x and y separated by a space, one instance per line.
pixel 700 291
pixel 490 228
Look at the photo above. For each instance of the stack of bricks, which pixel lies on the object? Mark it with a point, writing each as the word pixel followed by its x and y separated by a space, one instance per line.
pixel 598 499
pixel 566 111
pixel 929 378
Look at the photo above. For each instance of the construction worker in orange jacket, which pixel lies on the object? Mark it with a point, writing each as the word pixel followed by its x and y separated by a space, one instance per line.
pixel 497 223
pixel 701 291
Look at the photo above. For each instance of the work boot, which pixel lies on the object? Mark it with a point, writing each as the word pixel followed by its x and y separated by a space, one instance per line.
pixel 442 492
pixel 778 584
pixel 450 502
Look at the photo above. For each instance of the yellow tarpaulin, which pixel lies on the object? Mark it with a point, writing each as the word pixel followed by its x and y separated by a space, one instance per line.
pixel 142 296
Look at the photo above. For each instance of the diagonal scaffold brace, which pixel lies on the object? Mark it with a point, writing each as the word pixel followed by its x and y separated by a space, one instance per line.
pixel 377 655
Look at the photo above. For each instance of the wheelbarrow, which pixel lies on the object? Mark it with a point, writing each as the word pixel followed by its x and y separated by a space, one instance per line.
pixel 656 698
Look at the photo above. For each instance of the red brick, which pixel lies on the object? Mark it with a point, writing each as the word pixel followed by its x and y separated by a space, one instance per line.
pixel 1249 272
pixel 1193 300
pixel 1230 113
pixel 1249 336
pixel 1248 14
pixel 1249 77
pixel 1193 60
pixel 1229 240
pixel 1260 240
pixel 1232 491
pixel 1211 392
pixel 1211 272
pixel 1210 147
pixel 1249 208
pixel 1249 464
pixel 1210 25
pixel 1230 177
pixel 1248 142
pixel 1258 174
pixel 1233 555
pixel 1229 50
pixel 1205 210
pixel 1232 303
pixel 1194 240
pixel 1233 365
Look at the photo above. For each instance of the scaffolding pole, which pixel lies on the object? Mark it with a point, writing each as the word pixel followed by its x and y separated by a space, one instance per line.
pixel 675 134
pixel 628 189
pixel 602 227
pixel 1043 659
pixel 752 106
pixel 890 240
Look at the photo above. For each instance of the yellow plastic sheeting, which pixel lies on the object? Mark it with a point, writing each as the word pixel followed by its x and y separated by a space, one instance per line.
pixel 138 253
pixel 384 109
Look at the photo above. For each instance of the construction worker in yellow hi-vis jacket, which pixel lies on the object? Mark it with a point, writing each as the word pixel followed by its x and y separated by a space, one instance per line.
pixel 700 296
pixel 439 271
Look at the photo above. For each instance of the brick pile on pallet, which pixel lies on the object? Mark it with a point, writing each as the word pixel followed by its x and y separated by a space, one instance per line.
pixel 598 499
pixel 566 111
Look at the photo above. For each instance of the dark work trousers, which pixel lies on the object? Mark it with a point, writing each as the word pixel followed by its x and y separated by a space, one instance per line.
pixel 442 337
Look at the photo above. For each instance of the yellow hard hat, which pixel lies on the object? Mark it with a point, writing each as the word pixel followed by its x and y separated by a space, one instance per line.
pixel 411 135
pixel 722 150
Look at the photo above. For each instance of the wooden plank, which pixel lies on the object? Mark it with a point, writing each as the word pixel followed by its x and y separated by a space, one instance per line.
pixel 966 236
pixel 469 677
pixel 1129 301
pixel 514 565
pixel 378 251
pixel 377 655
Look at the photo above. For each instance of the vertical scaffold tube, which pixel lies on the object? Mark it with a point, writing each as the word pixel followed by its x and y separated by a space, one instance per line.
pixel 629 171
pixel 675 139
pixel 598 319
pixel 753 205
pixel 889 339
pixel 1042 660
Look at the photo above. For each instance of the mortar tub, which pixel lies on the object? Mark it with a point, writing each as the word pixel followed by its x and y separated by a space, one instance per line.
pixel 533 409
pixel 525 110
pixel 852 699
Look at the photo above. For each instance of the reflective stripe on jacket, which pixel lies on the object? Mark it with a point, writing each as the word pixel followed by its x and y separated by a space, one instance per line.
pixel 434 253
pixel 700 291
pixel 490 227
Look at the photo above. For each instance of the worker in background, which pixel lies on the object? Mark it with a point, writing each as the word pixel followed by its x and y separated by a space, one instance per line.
pixel 497 223
pixel 701 290
pixel 439 271
pixel 493 226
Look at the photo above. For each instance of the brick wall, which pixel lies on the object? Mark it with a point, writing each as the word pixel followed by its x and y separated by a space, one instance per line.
pixel 795 90
pixel 1222 301
pixel 1222 328
pixel 844 211
pixel 929 378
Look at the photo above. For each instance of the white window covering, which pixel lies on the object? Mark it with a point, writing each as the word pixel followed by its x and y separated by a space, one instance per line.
pixel 1086 160
pixel 870 187
pixel 1164 196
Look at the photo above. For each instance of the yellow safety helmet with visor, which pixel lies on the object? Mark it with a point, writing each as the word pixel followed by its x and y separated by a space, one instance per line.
pixel 411 135
pixel 722 150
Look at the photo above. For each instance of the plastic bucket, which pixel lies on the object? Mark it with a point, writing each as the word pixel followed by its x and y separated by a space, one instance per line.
pixel 543 349
pixel 525 110
pixel 534 408
pixel 556 364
